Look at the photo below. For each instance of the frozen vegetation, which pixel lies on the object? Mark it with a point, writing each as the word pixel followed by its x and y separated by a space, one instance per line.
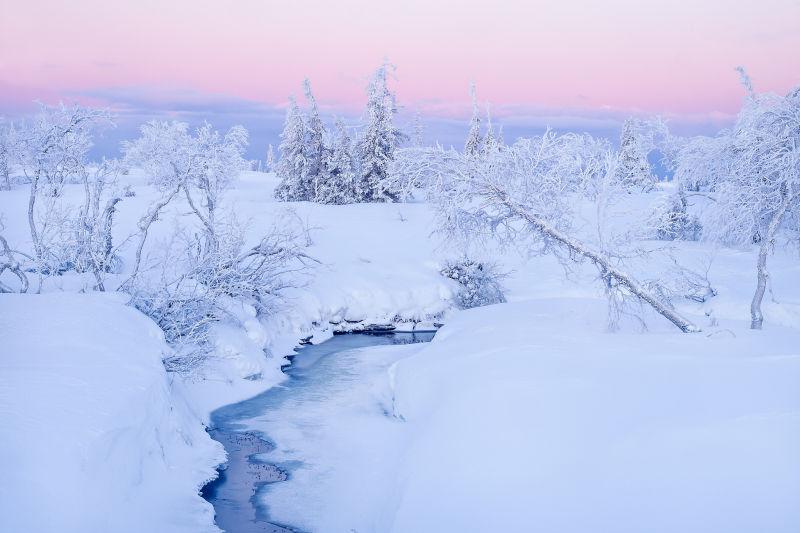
pixel 620 352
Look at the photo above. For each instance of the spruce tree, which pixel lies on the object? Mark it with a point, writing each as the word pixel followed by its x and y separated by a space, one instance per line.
pixel 291 168
pixel 378 143
pixel 474 144
pixel 314 145
pixel 633 170
pixel 269 165
pixel 339 184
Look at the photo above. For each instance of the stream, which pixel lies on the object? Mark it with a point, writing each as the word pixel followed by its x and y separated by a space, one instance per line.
pixel 318 378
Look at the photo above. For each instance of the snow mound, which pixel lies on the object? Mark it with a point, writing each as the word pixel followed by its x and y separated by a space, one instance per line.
pixel 531 415
pixel 101 441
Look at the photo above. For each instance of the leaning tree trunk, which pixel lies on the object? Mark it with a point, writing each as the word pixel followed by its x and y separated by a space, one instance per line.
pixel 756 316
pixel 608 269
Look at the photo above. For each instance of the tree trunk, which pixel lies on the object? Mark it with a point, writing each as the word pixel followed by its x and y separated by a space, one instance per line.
pixel 144 226
pixel 609 270
pixel 31 220
pixel 756 316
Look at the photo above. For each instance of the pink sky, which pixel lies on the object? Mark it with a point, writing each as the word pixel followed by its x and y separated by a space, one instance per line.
pixel 671 57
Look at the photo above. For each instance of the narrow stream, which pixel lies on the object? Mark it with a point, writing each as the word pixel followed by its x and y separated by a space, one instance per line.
pixel 316 372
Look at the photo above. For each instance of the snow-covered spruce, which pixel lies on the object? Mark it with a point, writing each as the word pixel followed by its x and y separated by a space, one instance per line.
pixel 633 170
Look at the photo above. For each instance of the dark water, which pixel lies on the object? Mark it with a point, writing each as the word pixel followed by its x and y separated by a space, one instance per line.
pixel 234 493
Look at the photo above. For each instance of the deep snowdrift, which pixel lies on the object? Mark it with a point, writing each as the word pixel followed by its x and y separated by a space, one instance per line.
pixel 94 439
pixel 531 416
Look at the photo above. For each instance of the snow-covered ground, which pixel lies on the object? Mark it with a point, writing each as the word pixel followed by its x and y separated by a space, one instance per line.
pixel 519 416
pixel 94 436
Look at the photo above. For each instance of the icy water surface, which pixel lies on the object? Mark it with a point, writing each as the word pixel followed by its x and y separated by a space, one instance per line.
pixel 318 372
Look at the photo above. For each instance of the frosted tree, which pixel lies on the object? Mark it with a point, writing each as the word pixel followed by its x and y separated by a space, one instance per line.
pixel 673 221
pixel 633 170
pixel 292 165
pixel 417 131
pixel 198 166
pixel 193 277
pixel 376 147
pixel 492 141
pixel 5 170
pixel 51 149
pixel 315 149
pixel 474 142
pixel 340 175
pixel 524 196
pixel 270 161
pixel 755 179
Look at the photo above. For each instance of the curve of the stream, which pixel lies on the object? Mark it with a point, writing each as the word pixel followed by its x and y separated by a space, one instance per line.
pixel 317 372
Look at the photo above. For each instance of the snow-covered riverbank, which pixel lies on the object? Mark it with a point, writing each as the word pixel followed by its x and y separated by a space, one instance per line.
pixel 95 435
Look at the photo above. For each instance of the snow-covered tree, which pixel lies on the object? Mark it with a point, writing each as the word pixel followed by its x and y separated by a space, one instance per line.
pixel 378 142
pixel 194 277
pixel 474 143
pixel 525 196
pixel 338 187
pixel 51 149
pixel 417 131
pixel 269 165
pixel 492 140
pixel 5 170
pixel 292 165
pixel 672 219
pixel 315 148
pixel 198 166
pixel 755 179
pixel 633 170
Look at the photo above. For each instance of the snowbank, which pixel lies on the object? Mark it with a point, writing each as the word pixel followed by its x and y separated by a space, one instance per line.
pixel 94 438
pixel 529 416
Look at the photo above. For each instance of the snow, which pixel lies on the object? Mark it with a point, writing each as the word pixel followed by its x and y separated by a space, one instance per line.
pixel 94 437
pixel 511 420
pixel 521 421
pixel 519 416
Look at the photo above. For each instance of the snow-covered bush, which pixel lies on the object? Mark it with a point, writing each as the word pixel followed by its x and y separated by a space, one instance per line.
pixel 673 222
pixel 480 283
pixel 192 287
pixel 192 281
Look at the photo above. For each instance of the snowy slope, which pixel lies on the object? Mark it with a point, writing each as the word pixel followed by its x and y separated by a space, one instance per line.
pixel 94 439
pixel 529 415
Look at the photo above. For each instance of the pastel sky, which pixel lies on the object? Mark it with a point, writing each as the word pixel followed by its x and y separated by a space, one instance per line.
pixel 574 63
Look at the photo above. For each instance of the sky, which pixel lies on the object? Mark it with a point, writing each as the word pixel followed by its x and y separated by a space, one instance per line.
pixel 571 64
